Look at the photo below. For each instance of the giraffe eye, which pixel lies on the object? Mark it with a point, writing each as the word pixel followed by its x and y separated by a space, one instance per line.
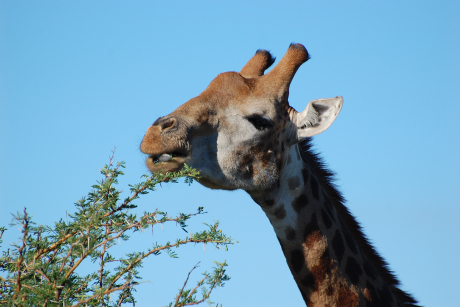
pixel 259 122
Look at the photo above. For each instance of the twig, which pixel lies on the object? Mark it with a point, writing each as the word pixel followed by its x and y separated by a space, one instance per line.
pixel 185 283
pixel 21 256
pixel 209 292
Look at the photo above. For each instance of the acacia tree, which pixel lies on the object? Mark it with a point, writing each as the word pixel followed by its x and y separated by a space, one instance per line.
pixel 42 270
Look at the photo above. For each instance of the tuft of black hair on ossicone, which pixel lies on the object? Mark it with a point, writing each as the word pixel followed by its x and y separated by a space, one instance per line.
pixel 270 58
pixel 301 47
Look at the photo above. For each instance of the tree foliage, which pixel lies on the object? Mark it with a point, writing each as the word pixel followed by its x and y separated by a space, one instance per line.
pixel 42 269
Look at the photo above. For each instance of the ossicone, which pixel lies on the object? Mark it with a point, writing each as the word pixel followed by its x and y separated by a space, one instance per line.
pixel 277 81
pixel 256 66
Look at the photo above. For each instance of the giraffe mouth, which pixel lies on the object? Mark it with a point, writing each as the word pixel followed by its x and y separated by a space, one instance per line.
pixel 166 157
pixel 166 162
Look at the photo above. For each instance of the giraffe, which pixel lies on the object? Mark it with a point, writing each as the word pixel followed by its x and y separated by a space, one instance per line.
pixel 241 133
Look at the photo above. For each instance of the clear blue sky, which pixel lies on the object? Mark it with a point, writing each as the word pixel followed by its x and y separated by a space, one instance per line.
pixel 80 77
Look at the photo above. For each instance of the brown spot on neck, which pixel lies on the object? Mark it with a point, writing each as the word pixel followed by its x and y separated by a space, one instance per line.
pixel 347 297
pixel 312 238
pixel 290 233
pixel 322 270
pixel 280 213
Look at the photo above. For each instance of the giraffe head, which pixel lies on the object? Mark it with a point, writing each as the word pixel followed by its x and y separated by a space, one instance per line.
pixel 238 131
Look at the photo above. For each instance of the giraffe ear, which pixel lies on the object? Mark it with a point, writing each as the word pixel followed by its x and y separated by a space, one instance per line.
pixel 317 116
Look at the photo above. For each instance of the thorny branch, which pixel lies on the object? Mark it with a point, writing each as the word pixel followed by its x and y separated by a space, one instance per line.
pixel 185 283
pixel 186 297
pixel 43 270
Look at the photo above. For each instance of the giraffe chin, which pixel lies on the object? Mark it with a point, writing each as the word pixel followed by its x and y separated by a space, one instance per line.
pixel 176 164
pixel 212 185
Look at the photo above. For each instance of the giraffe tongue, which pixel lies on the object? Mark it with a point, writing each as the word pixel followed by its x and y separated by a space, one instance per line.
pixel 165 158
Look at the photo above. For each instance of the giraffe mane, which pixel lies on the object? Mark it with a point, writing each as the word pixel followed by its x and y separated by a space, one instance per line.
pixel 326 179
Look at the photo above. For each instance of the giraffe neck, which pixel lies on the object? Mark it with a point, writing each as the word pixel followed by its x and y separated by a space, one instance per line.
pixel 323 254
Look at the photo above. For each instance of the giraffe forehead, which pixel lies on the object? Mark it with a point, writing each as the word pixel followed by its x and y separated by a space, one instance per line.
pixel 252 106
pixel 230 93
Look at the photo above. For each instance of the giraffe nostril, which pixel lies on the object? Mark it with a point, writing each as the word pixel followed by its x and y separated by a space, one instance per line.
pixel 168 124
